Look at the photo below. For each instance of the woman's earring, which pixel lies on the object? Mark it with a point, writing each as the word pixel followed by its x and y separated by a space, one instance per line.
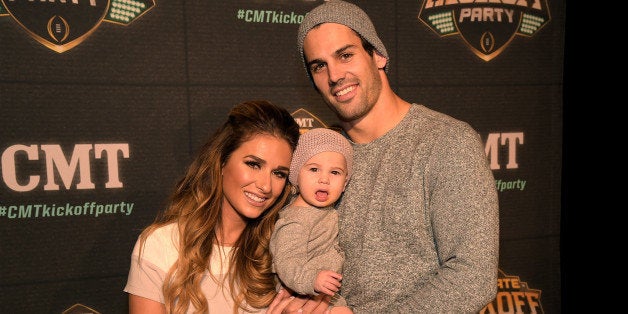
pixel 294 190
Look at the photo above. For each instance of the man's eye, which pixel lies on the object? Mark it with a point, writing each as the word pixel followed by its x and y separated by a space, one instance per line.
pixel 346 56
pixel 317 67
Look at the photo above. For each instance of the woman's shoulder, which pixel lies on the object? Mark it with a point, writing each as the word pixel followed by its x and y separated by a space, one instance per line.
pixel 161 246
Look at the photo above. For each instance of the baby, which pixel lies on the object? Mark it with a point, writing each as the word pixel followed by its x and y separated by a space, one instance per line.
pixel 304 245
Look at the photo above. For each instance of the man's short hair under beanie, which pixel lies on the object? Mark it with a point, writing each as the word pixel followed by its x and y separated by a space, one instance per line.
pixel 345 13
pixel 316 141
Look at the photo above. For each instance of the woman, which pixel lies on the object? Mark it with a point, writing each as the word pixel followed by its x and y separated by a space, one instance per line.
pixel 208 251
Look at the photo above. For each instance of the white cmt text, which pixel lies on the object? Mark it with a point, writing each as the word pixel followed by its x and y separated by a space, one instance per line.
pixel 81 160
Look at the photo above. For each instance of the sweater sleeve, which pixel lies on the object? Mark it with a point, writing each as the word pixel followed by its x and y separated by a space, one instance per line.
pixel 464 216
pixel 289 246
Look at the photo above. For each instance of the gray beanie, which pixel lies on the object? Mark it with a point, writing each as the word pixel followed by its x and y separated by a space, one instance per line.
pixel 316 141
pixel 347 14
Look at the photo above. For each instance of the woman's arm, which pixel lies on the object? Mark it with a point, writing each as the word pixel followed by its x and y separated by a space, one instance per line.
pixel 141 305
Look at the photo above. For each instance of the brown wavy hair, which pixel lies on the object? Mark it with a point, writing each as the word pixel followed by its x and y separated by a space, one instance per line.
pixel 195 205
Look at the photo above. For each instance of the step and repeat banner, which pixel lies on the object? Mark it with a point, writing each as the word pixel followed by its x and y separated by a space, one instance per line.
pixel 104 102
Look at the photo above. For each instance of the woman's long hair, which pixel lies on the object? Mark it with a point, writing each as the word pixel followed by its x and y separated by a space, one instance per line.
pixel 195 206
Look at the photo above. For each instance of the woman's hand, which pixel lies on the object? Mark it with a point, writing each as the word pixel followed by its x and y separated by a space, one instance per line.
pixel 282 299
pixel 284 303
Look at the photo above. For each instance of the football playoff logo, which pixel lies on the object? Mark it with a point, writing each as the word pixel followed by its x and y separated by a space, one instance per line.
pixel 514 296
pixel 488 26
pixel 63 24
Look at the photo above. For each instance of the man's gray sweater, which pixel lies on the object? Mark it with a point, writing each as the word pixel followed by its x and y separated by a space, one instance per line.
pixel 419 220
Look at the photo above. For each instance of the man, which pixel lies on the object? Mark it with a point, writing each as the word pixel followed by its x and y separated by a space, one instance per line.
pixel 419 221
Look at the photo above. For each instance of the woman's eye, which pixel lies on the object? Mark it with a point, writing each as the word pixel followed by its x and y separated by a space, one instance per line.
pixel 252 164
pixel 281 174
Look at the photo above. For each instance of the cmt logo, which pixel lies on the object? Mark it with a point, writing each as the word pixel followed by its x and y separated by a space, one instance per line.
pixel 15 162
pixel 508 140
pixel 306 120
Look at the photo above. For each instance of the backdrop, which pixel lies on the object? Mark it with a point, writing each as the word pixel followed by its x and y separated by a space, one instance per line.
pixel 103 104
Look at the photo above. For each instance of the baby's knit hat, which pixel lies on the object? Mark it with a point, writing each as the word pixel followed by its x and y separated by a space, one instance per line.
pixel 347 14
pixel 316 141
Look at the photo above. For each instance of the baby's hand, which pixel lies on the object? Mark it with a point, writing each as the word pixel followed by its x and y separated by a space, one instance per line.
pixel 327 282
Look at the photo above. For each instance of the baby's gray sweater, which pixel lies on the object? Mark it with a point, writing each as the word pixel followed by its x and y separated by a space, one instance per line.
pixel 305 241
pixel 419 220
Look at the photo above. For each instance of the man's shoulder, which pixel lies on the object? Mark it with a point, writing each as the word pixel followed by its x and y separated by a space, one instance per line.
pixel 421 111
pixel 426 117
